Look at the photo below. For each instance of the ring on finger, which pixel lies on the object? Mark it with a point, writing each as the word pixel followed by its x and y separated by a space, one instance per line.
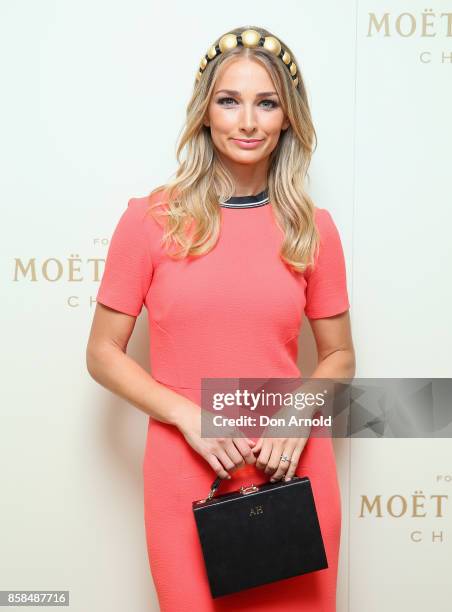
pixel 286 458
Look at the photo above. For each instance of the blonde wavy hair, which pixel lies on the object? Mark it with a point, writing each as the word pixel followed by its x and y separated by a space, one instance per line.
pixel 190 200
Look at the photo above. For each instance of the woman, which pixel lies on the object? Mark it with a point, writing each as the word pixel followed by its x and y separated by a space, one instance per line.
pixel 252 252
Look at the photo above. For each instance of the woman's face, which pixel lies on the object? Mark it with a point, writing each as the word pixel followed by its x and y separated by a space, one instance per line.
pixel 245 107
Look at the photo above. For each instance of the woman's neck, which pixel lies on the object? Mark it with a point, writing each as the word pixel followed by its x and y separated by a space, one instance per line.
pixel 248 179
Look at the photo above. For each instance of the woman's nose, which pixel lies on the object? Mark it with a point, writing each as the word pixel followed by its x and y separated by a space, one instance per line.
pixel 248 118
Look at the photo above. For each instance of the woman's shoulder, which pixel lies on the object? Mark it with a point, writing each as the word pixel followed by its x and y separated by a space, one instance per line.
pixel 155 200
pixel 324 221
pixel 148 210
pixel 142 224
pixel 322 215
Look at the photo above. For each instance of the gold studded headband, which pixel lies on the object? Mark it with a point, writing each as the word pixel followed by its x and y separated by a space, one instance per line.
pixel 249 38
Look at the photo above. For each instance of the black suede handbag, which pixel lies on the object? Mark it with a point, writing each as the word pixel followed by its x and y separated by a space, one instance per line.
pixel 259 534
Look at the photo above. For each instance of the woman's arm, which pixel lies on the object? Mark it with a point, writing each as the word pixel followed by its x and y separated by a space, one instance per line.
pixel 336 354
pixel 336 359
pixel 109 365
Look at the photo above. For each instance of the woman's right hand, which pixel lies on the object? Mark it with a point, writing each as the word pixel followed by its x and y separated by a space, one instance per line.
pixel 222 454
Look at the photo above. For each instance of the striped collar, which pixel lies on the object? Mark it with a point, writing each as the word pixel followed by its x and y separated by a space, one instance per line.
pixel 250 201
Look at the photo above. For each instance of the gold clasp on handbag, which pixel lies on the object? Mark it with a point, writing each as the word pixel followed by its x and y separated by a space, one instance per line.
pixel 250 489
pixel 243 490
pixel 209 497
pixel 214 487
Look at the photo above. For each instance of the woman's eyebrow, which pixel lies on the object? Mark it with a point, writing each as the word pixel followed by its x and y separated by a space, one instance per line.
pixel 233 92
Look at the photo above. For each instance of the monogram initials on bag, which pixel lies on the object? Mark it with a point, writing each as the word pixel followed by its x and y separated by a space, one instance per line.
pixel 254 511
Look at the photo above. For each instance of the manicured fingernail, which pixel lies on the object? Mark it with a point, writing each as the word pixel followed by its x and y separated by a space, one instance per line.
pixel 287 479
pixel 272 480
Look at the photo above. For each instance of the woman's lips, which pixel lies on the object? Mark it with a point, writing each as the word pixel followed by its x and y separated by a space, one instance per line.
pixel 251 143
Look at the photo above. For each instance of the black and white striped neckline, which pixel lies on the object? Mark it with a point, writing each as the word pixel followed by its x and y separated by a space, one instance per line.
pixel 250 201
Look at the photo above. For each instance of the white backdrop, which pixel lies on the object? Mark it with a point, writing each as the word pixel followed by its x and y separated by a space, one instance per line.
pixel 93 99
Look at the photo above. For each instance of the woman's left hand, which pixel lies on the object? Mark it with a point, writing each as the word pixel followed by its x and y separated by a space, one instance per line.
pixel 270 452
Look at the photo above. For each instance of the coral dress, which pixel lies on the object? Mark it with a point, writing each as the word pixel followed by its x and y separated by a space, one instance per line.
pixel 235 312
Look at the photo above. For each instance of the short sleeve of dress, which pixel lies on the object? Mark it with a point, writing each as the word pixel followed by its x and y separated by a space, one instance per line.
pixel 326 281
pixel 128 266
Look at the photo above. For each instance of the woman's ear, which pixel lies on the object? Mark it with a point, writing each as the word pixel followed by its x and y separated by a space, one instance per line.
pixel 285 124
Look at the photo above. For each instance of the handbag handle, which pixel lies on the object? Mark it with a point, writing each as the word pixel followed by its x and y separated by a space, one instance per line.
pixel 214 486
pixel 216 483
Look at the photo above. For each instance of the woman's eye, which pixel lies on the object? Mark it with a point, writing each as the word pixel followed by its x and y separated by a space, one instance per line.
pixel 273 104
pixel 221 100
pixel 224 101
